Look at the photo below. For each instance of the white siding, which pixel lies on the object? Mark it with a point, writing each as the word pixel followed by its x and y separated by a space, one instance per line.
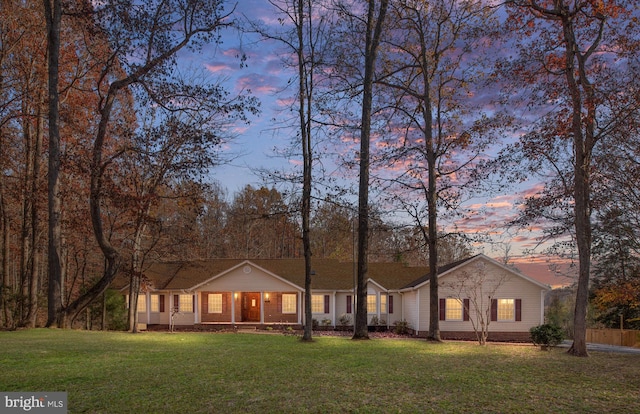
pixel 512 286
pixel 410 308
pixel 397 309
pixel 341 306
pixel 246 279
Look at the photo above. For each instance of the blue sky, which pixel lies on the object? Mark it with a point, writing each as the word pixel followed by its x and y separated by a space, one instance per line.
pixel 265 75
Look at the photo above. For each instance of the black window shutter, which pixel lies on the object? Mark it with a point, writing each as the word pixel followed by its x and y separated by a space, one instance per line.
pixel 518 310
pixel 465 309
pixel 390 304
pixel 349 304
pixel 193 303
pixel 176 302
pixel 326 303
pixel 494 309
pixel 443 303
pixel 161 300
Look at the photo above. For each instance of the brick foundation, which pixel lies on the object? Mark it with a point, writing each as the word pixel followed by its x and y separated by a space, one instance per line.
pixel 471 336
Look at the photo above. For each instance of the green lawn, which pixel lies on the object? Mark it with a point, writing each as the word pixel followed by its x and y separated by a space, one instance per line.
pixel 199 372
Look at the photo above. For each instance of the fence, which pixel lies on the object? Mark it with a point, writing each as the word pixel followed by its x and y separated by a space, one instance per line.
pixel 614 337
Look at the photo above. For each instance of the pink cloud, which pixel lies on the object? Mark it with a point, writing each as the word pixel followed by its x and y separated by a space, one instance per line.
pixel 218 67
pixel 258 84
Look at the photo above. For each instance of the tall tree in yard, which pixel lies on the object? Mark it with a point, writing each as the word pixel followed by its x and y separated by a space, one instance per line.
pixel 376 14
pixel 578 61
pixel 429 71
pixel 179 149
pixel 304 36
pixel 144 40
pixel 53 18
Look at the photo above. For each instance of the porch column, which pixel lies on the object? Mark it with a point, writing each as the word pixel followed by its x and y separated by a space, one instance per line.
pixel 233 307
pixel 196 315
pixel 300 308
pixel 333 309
pixel 261 308
pixel 148 301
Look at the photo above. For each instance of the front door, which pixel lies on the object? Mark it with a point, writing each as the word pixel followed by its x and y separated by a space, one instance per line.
pixel 251 307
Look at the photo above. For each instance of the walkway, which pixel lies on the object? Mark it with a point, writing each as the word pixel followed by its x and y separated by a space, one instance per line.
pixel 604 348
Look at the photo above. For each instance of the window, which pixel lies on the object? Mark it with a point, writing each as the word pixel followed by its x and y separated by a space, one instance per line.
pixel 155 303
pixel 453 309
pixel 185 303
pixel 317 303
pixel 142 303
pixel 371 304
pixel 506 310
pixel 383 303
pixel 289 303
pixel 349 304
pixel 214 303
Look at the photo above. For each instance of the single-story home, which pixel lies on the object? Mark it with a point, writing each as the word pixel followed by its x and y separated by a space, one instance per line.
pixel 212 294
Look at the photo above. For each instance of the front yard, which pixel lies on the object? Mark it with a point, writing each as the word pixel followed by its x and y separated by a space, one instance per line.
pixel 109 372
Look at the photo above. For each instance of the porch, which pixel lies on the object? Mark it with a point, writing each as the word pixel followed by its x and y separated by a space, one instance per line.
pixel 238 308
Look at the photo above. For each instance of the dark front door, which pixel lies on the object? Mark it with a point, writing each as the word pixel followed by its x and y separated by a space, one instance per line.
pixel 251 307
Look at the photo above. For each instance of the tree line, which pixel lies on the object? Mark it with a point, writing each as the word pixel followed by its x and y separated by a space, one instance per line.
pixel 107 147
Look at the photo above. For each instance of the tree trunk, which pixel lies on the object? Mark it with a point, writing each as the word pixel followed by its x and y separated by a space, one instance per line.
pixel 6 287
pixel 583 141
pixel 432 207
pixel 136 272
pixel 53 14
pixel 305 78
pixel 372 41
pixel 35 219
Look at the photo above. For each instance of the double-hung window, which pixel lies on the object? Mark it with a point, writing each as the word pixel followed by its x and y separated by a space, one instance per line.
pixel 506 310
pixel 142 303
pixel 453 309
pixel 317 304
pixel 289 302
pixel 214 303
pixel 372 304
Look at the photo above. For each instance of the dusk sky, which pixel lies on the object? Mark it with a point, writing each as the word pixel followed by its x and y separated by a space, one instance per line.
pixel 266 76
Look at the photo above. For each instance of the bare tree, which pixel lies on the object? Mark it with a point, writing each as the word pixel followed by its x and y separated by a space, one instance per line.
pixel 429 77
pixel 565 53
pixel 144 45
pixel 476 291
pixel 375 22
pixel 53 18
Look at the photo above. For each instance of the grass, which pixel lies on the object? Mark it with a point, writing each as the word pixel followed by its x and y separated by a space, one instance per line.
pixel 109 372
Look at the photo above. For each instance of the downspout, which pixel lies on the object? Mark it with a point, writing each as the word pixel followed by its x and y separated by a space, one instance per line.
pixel 417 312
pixel 542 295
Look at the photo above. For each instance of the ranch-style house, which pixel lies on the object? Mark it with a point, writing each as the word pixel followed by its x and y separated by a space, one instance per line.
pixel 223 293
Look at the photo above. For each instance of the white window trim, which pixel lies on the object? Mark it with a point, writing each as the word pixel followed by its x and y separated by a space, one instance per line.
pixel 292 302
pixel 210 302
pixel 447 309
pixel 315 306
pixel 513 310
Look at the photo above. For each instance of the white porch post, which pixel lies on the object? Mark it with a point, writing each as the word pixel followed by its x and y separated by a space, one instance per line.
pixel 300 308
pixel 333 308
pixel 148 301
pixel 196 315
pixel 233 307
pixel 261 308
